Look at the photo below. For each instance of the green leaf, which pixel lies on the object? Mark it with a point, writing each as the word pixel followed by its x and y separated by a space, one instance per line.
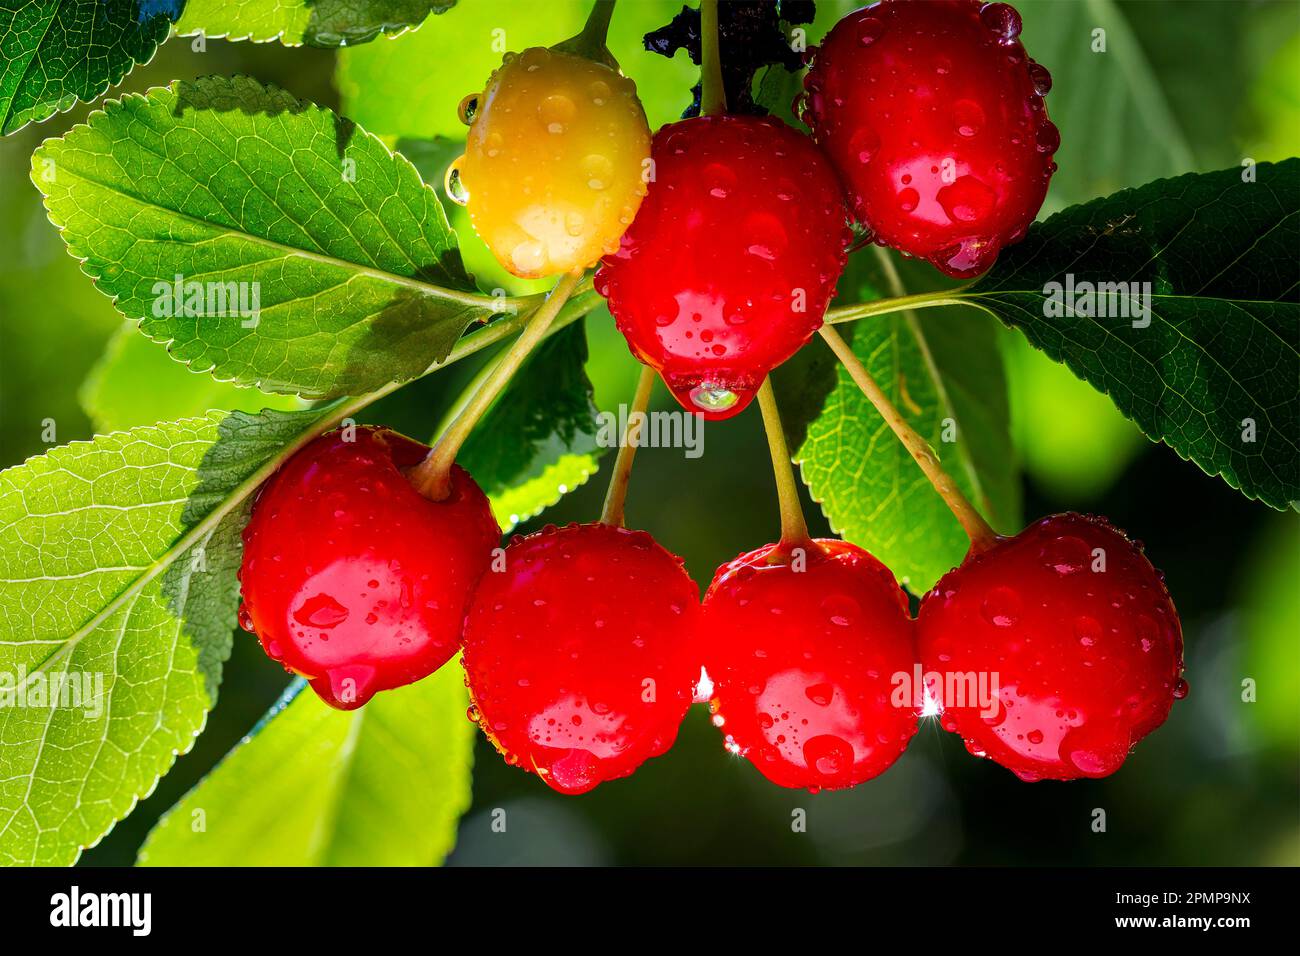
pixel 1212 370
pixel 117 578
pixel 538 441
pixel 135 383
pixel 1117 128
pixel 943 370
pixel 322 23
pixel 311 786
pixel 57 52
pixel 346 272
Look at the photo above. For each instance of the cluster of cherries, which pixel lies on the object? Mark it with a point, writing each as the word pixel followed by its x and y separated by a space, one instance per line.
pixel 722 238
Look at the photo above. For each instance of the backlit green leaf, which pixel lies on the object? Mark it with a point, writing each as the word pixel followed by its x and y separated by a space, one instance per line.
pixel 323 23
pixel 267 240
pixel 380 786
pixel 117 602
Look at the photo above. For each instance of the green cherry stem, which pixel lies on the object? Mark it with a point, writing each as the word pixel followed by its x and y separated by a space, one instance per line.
pixel 713 95
pixel 921 300
pixel 794 529
pixel 612 513
pixel 591 41
pixel 977 529
pixel 432 477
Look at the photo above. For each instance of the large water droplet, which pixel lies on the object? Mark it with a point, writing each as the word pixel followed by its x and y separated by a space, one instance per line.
pixel 840 609
pixel 820 694
pixel 1041 78
pixel 1001 607
pixel 863 143
pixel 556 112
pixel 598 171
pixel 969 257
pixel 829 755
pixel 1002 20
pixel 968 117
pixel 321 611
pixel 719 179
pixel 1087 630
pixel 454 185
pixel 1048 137
pixel 869 30
pixel 764 235
pixel 713 397
pixel 1066 554
pixel 528 256
pixel 534 58
pixel 967 199
pixel 468 108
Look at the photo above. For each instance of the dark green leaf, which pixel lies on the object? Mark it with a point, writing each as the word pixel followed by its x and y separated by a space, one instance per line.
pixel 538 441
pixel 1212 369
pixel 57 52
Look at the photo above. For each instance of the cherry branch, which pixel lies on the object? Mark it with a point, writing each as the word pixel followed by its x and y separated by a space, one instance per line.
pixel 977 529
pixel 432 477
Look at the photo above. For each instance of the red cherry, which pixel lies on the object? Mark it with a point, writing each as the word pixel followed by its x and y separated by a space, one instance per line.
pixel 1076 628
pixel 578 653
pixel 934 117
pixel 350 577
pixel 729 264
pixel 810 667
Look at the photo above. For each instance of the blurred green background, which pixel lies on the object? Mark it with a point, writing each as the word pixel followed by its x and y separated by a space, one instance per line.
pixel 1183 85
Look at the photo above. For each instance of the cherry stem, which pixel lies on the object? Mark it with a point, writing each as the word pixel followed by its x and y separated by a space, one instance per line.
pixel 977 529
pixel 612 513
pixel 794 529
pixel 432 477
pixel 713 95
pixel 591 41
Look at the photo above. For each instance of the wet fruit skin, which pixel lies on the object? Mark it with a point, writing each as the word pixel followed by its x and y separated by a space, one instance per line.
pixel 579 654
pixel 805 664
pixel 350 577
pixel 934 116
pixel 1088 661
pixel 554 161
pixel 729 265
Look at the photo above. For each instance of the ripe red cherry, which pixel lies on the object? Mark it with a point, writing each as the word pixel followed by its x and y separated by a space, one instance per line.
pixel 934 117
pixel 350 577
pixel 578 654
pixel 729 264
pixel 1079 632
pixel 806 664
